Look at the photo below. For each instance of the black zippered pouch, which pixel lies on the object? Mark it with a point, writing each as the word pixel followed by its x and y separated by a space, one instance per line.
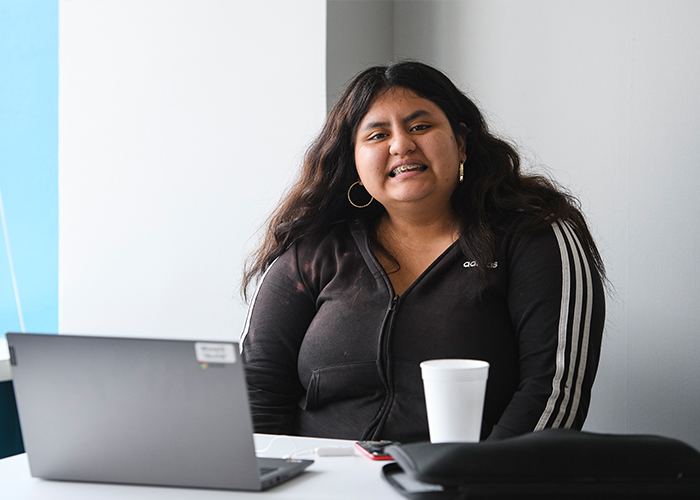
pixel 554 463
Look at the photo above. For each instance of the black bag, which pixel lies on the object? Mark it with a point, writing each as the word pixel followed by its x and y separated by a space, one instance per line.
pixel 554 463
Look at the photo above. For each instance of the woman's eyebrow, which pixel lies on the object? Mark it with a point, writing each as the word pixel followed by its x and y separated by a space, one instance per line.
pixel 416 114
pixel 412 116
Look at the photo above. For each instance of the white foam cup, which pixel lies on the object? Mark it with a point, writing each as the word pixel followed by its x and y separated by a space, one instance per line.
pixel 454 398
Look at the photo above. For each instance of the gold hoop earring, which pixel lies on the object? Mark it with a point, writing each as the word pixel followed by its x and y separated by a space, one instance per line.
pixel 461 171
pixel 371 198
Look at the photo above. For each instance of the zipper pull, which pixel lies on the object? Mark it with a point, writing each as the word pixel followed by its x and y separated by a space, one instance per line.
pixel 394 300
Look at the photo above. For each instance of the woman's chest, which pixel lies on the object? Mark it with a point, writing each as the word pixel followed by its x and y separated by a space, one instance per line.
pixel 442 314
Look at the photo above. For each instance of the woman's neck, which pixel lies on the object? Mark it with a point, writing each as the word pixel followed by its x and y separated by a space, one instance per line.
pixel 410 246
pixel 421 227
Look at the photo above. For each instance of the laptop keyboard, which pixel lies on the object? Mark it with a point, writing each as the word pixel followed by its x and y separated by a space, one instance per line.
pixel 267 470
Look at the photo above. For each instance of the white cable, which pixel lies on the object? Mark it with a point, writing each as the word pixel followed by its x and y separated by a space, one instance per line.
pixel 286 438
pixel 12 267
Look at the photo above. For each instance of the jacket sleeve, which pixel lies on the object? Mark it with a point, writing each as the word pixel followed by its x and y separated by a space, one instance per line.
pixel 557 305
pixel 278 317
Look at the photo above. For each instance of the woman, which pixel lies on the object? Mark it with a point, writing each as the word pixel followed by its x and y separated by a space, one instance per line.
pixel 411 234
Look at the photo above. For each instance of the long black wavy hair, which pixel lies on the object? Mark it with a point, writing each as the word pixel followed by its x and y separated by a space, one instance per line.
pixel 493 182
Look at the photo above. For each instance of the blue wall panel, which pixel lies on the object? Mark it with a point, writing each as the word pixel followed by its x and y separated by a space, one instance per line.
pixel 29 163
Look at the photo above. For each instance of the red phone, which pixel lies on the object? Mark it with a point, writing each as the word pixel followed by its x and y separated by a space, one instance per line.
pixel 374 449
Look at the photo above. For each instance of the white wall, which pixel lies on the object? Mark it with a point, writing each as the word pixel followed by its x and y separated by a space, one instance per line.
pixel 180 123
pixel 605 94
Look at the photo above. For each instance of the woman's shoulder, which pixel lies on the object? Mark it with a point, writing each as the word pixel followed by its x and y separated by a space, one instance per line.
pixel 521 222
pixel 333 234
pixel 322 245
pixel 529 237
pixel 511 222
pixel 519 231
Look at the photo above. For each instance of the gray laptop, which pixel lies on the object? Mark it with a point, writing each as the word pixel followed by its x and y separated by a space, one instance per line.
pixel 139 411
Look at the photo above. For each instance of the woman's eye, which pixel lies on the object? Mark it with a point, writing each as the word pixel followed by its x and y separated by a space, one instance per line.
pixel 377 136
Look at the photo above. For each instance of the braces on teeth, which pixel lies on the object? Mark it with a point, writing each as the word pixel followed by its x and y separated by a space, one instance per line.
pixel 405 168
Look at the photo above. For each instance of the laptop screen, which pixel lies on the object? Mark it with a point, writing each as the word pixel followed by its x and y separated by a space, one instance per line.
pixel 131 410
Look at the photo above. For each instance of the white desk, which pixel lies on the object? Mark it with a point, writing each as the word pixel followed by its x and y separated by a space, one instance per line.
pixel 348 477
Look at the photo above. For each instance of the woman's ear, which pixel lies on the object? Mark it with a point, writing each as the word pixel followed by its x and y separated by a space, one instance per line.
pixel 462 141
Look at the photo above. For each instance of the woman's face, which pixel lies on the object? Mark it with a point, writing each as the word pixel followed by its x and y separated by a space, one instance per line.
pixel 406 153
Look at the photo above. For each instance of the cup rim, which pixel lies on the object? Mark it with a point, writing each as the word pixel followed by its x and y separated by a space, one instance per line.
pixel 455 369
pixel 454 363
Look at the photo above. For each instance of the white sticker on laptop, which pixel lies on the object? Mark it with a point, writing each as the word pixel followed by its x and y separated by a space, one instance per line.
pixel 211 352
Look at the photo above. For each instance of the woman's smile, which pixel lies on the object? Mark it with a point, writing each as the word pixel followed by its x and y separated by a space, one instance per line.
pixel 409 167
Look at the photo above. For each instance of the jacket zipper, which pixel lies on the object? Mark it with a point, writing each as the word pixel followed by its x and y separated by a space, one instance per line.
pixel 384 369
pixel 387 329
pixel 371 432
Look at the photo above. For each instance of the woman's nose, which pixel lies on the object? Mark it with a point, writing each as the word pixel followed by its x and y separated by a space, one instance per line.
pixel 401 144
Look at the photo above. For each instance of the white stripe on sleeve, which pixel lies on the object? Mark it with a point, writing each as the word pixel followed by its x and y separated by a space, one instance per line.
pixel 561 334
pixel 586 335
pixel 575 335
pixel 246 326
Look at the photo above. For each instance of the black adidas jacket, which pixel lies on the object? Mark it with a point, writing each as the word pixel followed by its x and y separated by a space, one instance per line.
pixel 330 351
